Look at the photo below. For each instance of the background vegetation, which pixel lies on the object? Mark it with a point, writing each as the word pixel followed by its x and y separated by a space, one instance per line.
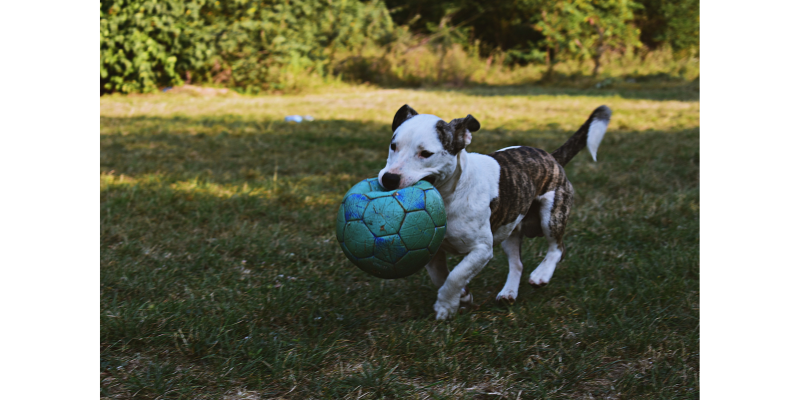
pixel 254 46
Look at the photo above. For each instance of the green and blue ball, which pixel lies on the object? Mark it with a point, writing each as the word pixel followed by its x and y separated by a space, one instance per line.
pixel 391 233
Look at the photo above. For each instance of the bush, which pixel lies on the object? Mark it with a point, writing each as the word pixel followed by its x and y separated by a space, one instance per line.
pixel 248 45
pixel 146 43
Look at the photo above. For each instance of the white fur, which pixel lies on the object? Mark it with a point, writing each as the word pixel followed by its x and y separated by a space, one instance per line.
pixel 411 138
pixel 542 274
pixel 511 288
pixel 504 231
pixel 467 192
pixel 597 129
pixel 546 208
pixel 508 148
pixel 467 182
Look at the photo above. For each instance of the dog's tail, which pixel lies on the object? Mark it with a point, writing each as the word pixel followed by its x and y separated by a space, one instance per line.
pixel 588 135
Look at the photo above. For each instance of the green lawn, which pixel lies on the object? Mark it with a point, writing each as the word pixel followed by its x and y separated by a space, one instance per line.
pixel 221 275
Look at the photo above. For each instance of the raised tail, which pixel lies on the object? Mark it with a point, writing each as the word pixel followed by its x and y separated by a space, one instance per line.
pixel 590 134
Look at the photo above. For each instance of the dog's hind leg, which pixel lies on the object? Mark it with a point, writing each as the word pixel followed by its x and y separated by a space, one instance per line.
pixel 437 270
pixel 554 211
pixel 513 248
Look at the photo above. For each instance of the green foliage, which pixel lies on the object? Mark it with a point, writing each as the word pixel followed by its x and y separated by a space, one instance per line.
pixel 583 29
pixel 271 45
pixel 249 45
pixel 147 43
pixel 676 23
pixel 262 43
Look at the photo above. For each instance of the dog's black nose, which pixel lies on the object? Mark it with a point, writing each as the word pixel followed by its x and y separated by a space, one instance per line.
pixel 390 181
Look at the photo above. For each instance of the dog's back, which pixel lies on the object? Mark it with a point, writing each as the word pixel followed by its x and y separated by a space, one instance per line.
pixel 525 174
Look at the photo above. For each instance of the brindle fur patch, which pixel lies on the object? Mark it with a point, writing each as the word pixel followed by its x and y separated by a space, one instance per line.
pixel 526 173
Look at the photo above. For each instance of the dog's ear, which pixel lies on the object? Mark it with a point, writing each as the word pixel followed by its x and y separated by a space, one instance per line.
pixel 405 112
pixel 471 123
pixel 463 128
pixel 457 135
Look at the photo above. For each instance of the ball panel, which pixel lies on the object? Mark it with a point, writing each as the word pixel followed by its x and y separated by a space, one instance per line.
pixel 375 185
pixel 358 239
pixel 347 253
pixel 424 185
pixel 412 199
pixel 435 207
pixel 412 262
pixel 417 230
pixel 354 206
pixel 384 216
pixel 376 267
pixel 438 237
pixel 360 187
pixel 377 195
pixel 390 248
pixel 340 222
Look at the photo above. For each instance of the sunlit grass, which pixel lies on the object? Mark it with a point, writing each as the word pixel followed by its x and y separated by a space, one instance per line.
pixel 220 271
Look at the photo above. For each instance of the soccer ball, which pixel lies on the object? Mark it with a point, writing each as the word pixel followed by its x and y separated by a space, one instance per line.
pixel 391 234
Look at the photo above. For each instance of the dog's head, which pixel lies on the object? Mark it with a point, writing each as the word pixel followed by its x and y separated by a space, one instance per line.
pixel 424 147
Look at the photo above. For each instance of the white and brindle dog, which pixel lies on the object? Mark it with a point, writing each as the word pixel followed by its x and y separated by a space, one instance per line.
pixel 489 199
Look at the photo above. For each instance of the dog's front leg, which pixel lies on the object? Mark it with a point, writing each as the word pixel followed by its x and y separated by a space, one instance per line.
pixel 437 270
pixel 450 293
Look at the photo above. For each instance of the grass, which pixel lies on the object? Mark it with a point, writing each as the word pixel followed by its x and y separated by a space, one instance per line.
pixel 221 276
pixel 409 65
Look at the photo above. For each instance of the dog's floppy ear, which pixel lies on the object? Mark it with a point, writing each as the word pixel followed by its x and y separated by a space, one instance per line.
pixel 405 112
pixel 463 128
pixel 470 123
pixel 457 135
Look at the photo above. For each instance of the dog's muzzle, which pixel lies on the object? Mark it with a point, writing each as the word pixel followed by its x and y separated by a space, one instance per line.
pixel 390 181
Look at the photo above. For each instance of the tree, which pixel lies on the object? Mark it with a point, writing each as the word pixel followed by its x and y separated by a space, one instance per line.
pixel 585 29
pixel 676 23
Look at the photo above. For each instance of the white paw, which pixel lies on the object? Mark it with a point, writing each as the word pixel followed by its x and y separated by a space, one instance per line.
pixel 507 295
pixel 446 309
pixel 540 277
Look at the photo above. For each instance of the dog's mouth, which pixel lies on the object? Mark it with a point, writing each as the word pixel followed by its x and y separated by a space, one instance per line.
pixel 430 179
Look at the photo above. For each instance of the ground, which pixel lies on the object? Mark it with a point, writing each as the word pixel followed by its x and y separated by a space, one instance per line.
pixel 221 276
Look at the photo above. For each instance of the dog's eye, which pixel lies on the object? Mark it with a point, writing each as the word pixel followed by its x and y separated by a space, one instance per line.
pixel 393 147
pixel 425 153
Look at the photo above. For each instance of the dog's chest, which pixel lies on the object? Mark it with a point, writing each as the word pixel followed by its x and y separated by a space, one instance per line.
pixel 467 207
pixel 463 232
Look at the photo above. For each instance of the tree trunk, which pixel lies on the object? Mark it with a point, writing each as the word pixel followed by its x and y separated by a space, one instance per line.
pixel 598 52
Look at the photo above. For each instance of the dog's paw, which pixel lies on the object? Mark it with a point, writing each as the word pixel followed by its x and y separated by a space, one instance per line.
pixel 445 309
pixel 540 277
pixel 506 296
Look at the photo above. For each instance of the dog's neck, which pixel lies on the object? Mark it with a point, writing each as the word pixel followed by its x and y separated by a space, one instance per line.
pixel 449 184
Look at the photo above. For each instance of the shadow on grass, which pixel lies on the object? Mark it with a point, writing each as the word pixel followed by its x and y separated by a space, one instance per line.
pixel 218 258
pixel 230 148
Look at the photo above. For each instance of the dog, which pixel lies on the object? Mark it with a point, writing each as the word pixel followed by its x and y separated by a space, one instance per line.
pixel 489 199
